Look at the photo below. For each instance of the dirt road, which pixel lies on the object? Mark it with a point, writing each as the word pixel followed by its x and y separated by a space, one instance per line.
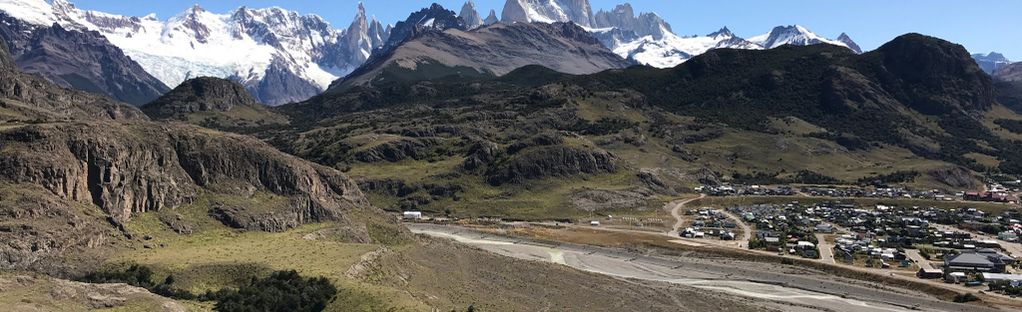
pixel 676 213
pixel 763 281
pixel 826 249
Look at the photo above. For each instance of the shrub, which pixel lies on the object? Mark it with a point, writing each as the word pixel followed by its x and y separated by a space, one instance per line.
pixel 966 297
pixel 281 291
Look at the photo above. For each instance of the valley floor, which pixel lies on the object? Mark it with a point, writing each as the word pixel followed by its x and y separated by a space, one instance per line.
pixel 793 287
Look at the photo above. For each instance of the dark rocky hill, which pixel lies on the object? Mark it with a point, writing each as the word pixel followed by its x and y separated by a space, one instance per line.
pixel 214 103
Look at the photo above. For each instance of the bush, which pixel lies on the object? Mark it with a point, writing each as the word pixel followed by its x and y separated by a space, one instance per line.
pixel 894 177
pixel 966 297
pixel 134 275
pixel 281 291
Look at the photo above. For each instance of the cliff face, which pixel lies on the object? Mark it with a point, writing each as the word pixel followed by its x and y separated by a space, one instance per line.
pixel 128 169
pixel 62 186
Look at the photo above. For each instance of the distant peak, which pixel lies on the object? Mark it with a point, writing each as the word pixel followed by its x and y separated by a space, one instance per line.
pixel 196 8
pixel 361 10
pixel 625 8
pixel 62 4
pixel 723 32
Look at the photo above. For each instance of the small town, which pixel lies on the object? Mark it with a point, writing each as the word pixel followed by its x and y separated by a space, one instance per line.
pixel 957 246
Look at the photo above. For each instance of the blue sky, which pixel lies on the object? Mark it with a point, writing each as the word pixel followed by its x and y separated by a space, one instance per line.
pixel 992 25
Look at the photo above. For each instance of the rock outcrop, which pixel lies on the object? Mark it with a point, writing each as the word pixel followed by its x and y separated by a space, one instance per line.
pixel 200 95
pixel 551 161
pixel 129 169
pixel 409 148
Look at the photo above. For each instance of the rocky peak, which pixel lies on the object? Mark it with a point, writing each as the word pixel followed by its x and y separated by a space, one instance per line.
pixel 191 22
pixel 470 15
pixel 849 42
pixel 433 19
pixel 623 17
pixel 548 11
pixel 492 18
pixel 722 33
pixel 377 33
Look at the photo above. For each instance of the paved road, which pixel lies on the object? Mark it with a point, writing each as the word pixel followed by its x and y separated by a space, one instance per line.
pixel 734 277
pixel 914 255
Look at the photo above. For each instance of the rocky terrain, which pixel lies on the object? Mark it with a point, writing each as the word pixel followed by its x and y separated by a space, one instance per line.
pixel 492 50
pixel 84 166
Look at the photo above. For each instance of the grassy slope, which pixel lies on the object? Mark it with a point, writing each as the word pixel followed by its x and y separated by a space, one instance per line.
pixel 215 256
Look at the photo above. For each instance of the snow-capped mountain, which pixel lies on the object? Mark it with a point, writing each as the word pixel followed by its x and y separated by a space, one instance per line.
pixel 671 50
pixel 990 62
pixel 647 38
pixel 623 17
pixel 548 11
pixel 82 60
pixel 796 35
pixel 278 55
pixel 433 19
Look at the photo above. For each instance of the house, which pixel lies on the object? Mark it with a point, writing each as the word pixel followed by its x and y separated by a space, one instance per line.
pixel 973 196
pixel 974 261
pixel 997 277
pixel 956 277
pixel 929 273
pixel 825 228
pixel 412 215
